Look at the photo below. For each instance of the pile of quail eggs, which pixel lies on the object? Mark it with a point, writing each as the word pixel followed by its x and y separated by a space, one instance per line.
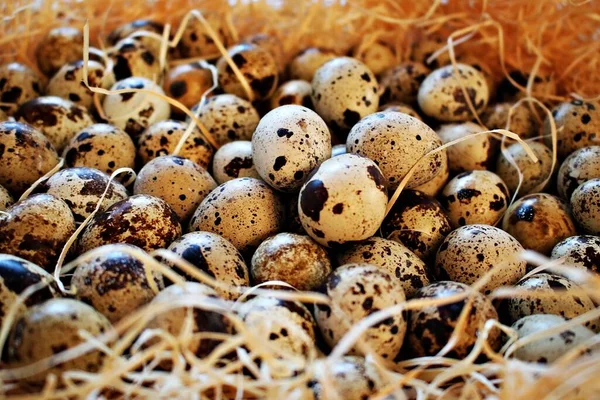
pixel 310 153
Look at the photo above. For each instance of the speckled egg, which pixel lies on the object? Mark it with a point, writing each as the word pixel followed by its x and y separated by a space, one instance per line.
pixel 114 283
pixel 349 378
pixel 6 198
pixel 180 182
pixel 402 108
pixel 424 48
pixel 292 92
pixel 579 251
pixel 271 44
pixel 543 85
pixel 291 258
pixel 469 252
pixel 551 347
pixel 308 61
pixel 480 63
pixel 430 328
pixel 475 197
pixel 561 303
pixel 141 220
pixel 539 221
pixel 66 83
pixel 344 90
pixel 132 58
pixel 585 206
pixel 36 229
pixel 161 139
pixel 522 120
pixel 577 124
pixel 81 188
pixel 228 118
pixel 26 156
pixel 101 146
pixel 402 82
pixel 51 328
pixel 234 160
pixel 417 221
pixel 534 173
pixel 196 42
pixel 59 46
pixel 580 166
pixel 396 142
pixel 138 26
pixel 289 142
pixel 214 255
pixel 437 183
pixel 345 200
pixel 256 65
pixel 441 95
pixel 356 291
pixel 19 84
pixel 476 153
pixel 244 211
pixel 377 56
pixel 186 83
pixel 58 119
pixel 134 112
pixel 392 257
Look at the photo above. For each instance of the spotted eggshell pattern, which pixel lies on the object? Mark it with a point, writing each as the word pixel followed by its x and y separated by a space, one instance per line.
pixel 234 160
pixel 6 199
pixel 180 182
pixel 294 259
pixel 138 26
pixel 475 197
pixel 469 252
pixel 396 142
pixel 580 166
pixel 356 291
pixel 214 255
pixel 141 220
pixel 308 61
pixel 585 205
pixel 26 156
pixel 430 328
pixel 272 44
pixel 402 108
pixel 378 57
pixel 59 46
pixel 289 142
pixel 580 251
pixel 476 153
pixel 132 58
pixel 345 200
pixel 196 42
pixel 522 120
pixel 19 84
pixel 424 48
pixel 577 124
pixel 292 92
pixel 51 328
pixel 539 221
pixel 344 91
pixel 348 377
pixel 392 257
pixel 417 221
pixel 533 173
pixel 66 83
pixel 441 95
pixel 101 146
pixel 187 83
pixel 244 211
pixel 437 183
pixel 401 83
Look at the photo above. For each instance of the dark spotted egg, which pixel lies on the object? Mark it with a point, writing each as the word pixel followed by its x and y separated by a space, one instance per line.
pixel 187 83
pixel 19 84
pixel 577 124
pixel 580 251
pixel 272 44
pixel 423 49
pixel 585 205
pixel 522 120
pixel 234 160
pixel 308 61
pixel 292 92
pixel 534 173
pixel 138 26
pixel 59 46
pixel 131 58
pixel 67 82
pixel 196 42
pixel 476 153
pixel 6 198
pixel 580 166
pixel 401 83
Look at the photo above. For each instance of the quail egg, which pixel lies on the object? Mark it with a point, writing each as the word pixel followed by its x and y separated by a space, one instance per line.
pixel 271 44
pixel 534 173
pixel 59 46
pixel 469 252
pixel 437 183
pixel 19 84
pixel 441 95
pixel 137 26
pixel 522 120
pixel 480 65
pixel 196 42
pixel 401 83
pixel 377 56
pixel 67 82
pixel 308 61
pixel 345 200
pixel 292 92
pixel 580 166
pixel 132 58
pixel 476 153
pixel 402 108
pixel 234 160
pixel 580 251
pixel 585 205
pixel 424 48
pixel 349 378
pixel 543 85
pixel 6 199
pixel 187 83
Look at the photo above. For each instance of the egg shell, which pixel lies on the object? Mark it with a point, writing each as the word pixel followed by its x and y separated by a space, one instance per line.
pixel 539 221
pixel 196 42
pixel 418 222
pixel 256 65
pixel 392 257
pixel 234 160
pixel 430 328
pixel 291 258
pixel 424 48
pixel 401 83
pixel 6 199
pixel 189 183
pixel 135 27
pixel 402 108
pixel 36 229
pixel 288 143
pixel 396 142
pixel 580 166
pixel 345 200
pixel 26 156
pixel 67 82
pixel 377 56
pixel 308 61
pixel 114 283
pixel 348 377
pixel 475 197
pixel 162 137
pixel 356 291
pixel 585 206
pixel 131 58
pixel 577 124
pixel 543 85
pixel 21 84
pixel 214 255
pixel 441 95
pixel 469 252
pixel 293 92
pixel 581 251
pixel 244 211
pixel 476 153
pixel 437 183
pixel 59 46
pixel 227 118
pixel 344 91
pixel 51 328
pixel 551 347
pixel 187 83
pixel 142 220
pixel 534 173
pixel 135 111
pixel 101 146
pixel 272 44
pixel 522 120
pixel 81 188
pixel 477 61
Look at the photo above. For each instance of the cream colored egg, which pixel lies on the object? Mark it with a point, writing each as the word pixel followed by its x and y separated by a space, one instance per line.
pixel 59 46
pixel 476 153
pixel 437 183
pixel 131 57
pixel 377 56
pixel 401 83
pixel 522 120
pixel 308 61
pixel 400 107
pixel 234 160
pixel 21 84
pixel 581 251
pixel 66 83
pixel 534 173
pixel 292 92
pixel 348 377
pixel 585 206
pixel 580 166
pixel 136 27
pixel 196 42
pixel 271 44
